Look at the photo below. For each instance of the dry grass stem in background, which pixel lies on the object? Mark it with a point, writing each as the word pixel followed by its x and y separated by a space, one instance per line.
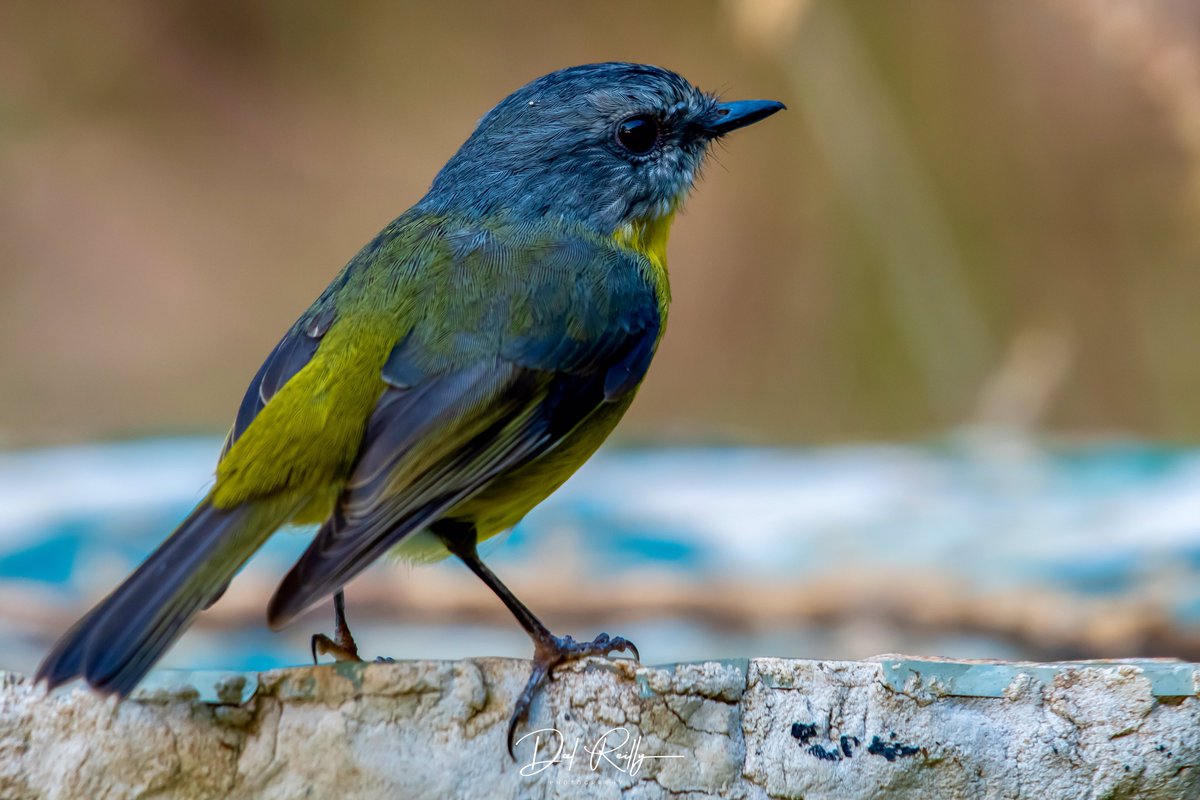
pixel 1140 37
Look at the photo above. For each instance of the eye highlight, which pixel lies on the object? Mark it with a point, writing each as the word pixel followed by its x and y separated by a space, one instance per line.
pixel 638 134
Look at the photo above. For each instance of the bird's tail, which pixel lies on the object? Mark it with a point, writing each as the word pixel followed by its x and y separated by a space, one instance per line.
pixel 119 640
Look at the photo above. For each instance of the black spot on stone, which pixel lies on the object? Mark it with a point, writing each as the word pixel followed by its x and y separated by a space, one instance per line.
pixel 891 750
pixel 848 744
pixel 803 731
pixel 816 751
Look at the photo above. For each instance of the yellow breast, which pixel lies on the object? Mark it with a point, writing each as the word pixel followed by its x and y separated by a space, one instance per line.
pixel 649 238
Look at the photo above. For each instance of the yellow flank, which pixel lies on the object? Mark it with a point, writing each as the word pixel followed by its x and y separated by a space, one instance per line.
pixel 305 439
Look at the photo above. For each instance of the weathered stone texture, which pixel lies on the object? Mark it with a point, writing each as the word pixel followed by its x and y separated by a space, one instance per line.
pixel 764 728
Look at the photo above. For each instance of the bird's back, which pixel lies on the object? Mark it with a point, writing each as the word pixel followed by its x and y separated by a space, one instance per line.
pixel 449 292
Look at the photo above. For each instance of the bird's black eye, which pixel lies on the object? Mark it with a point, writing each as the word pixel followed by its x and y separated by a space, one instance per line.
pixel 638 134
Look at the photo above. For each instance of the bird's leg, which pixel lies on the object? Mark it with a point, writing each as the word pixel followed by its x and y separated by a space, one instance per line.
pixel 342 646
pixel 549 651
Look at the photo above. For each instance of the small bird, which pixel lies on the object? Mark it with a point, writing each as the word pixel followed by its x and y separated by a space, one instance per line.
pixel 453 375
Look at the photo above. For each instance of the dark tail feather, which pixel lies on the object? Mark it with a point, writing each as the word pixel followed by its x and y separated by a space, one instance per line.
pixel 119 640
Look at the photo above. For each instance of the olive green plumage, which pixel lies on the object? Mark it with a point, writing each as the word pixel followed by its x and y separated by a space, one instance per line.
pixel 459 368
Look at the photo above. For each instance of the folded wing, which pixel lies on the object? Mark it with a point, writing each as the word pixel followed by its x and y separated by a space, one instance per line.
pixel 453 420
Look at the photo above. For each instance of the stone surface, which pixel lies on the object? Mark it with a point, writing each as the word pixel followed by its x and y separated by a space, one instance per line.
pixel 892 727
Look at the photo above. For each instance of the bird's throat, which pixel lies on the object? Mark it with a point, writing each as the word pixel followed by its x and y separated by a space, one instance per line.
pixel 648 237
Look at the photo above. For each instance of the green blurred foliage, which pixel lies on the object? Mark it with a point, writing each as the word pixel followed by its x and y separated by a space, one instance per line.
pixel 975 212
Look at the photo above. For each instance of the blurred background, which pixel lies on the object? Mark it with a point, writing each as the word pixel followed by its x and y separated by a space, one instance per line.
pixel 930 383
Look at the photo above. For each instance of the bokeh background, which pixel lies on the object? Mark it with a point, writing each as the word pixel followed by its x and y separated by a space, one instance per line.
pixel 930 382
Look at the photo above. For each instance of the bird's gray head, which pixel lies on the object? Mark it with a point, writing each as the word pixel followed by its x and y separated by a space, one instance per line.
pixel 605 145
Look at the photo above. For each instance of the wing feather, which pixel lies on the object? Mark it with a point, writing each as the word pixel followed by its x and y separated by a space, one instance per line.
pixel 294 350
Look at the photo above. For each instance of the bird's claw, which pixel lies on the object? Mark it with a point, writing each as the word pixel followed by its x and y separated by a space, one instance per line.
pixel 552 652
pixel 345 650
pixel 341 649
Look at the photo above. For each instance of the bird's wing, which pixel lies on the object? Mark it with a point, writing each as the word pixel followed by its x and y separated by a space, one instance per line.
pixel 531 348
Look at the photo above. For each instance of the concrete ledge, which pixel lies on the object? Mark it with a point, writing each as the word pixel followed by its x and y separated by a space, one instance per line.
pixel 890 727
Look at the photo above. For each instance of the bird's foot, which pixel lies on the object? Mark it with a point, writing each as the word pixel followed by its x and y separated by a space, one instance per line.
pixel 341 648
pixel 552 652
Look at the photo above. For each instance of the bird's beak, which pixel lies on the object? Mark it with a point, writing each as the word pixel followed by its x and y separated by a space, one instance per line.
pixel 731 116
